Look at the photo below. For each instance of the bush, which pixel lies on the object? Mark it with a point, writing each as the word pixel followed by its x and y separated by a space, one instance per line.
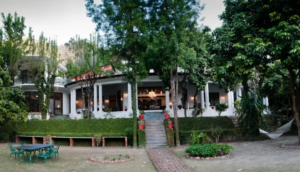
pixel 199 138
pixel 75 128
pixel 170 137
pixel 208 150
pixel 129 135
pixel 4 137
pixel 141 138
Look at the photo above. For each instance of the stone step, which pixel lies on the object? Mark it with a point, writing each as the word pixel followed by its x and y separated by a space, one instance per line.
pixel 156 143
pixel 155 135
pixel 155 127
pixel 156 140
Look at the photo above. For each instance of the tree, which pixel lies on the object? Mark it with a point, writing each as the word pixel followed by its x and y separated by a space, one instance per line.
pixel 13 46
pixel 12 100
pixel 87 67
pixel 271 31
pixel 221 107
pixel 171 21
pixel 125 25
pixel 43 70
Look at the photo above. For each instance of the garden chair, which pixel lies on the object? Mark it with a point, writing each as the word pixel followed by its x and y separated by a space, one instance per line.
pixel 14 151
pixel 55 151
pixel 45 155
pixel 22 143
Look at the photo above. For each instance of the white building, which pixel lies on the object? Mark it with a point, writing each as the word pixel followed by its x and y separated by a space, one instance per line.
pixel 114 93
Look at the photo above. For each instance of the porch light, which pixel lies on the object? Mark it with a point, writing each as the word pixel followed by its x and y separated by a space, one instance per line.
pixel 192 98
pixel 222 98
pixel 36 96
pixel 125 95
pixel 152 94
pixel 170 103
pixel 58 106
pixel 76 101
pixel 106 101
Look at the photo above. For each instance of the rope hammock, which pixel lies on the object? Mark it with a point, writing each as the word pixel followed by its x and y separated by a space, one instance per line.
pixel 279 131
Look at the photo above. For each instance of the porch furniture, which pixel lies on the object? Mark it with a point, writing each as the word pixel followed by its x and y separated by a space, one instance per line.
pixel 22 143
pixel 113 137
pixel 29 149
pixel 45 155
pixel 14 151
pixel 50 142
pixel 55 151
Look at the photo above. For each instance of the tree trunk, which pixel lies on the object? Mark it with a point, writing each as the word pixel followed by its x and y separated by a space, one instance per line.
pixel 195 103
pixel 295 101
pixel 184 97
pixel 134 108
pixel 174 106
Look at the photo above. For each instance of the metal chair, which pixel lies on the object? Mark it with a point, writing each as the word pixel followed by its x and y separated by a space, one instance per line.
pixel 55 151
pixel 46 155
pixel 14 151
pixel 22 143
pixel 49 142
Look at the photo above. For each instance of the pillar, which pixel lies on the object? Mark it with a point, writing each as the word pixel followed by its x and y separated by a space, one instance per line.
pixel 100 99
pixel 95 98
pixel 73 102
pixel 202 99
pixel 167 96
pixel 230 101
pixel 129 98
pixel 206 95
pixel 239 94
pixel 267 101
pixel 66 104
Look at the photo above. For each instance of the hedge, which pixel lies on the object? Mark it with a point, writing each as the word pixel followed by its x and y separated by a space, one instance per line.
pixel 142 138
pixel 74 128
pixel 170 137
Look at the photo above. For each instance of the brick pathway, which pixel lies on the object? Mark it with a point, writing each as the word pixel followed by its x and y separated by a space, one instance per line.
pixel 165 160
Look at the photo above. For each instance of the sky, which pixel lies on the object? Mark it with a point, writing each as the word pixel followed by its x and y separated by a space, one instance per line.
pixel 63 19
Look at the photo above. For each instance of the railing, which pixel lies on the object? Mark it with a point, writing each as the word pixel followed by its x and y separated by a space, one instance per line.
pixel 58 81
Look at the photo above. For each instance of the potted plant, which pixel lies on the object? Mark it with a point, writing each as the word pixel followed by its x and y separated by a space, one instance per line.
pixel 141 124
pixel 125 108
pixel 163 111
pixel 170 123
pixel 179 106
pixel 167 115
pixel 141 115
pixel 212 104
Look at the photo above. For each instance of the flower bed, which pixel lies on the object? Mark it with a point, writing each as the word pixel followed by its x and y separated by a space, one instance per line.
pixel 291 146
pixel 111 158
pixel 208 150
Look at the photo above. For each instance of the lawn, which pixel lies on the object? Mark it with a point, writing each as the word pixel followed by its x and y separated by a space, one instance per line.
pixel 76 159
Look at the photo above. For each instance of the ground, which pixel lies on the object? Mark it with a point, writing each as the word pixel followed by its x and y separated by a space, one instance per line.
pixel 259 156
pixel 76 159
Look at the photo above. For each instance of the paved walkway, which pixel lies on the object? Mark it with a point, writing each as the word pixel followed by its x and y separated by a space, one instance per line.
pixel 165 160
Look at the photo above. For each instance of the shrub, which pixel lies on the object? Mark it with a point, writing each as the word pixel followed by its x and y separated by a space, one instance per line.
pixel 141 138
pixel 170 137
pixel 216 132
pixel 208 150
pixel 199 138
pixel 221 108
pixel 98 138
pixel 4 137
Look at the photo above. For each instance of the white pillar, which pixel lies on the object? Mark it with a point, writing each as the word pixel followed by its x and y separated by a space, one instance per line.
pixel 207 95
pixel 129 98
pixel 73 102
pixel 66 104
pixel 231 101
pixel 239 94
pixel 95 98
pixel 137 103
pixel 267 101
pixel 167 99
pixel 202 99
pixel 100 99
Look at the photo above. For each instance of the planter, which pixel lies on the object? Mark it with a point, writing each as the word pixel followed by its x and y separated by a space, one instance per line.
pixel 141 127
pixel 167 116
pixel 179 108
pixel 141 117
pixel 212 107
pixel 68 116
pixel 125 109
pixel 170 126
pixel 163 111
pixel 51 116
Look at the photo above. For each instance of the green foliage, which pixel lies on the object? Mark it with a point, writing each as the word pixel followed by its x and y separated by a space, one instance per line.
pixel 4 137
pixel 199 138
pixel 98 138
pixel 170 137
pixel 208 150
pixel 238 107
pixel 216 132
pixel 221 107
pixel 251 118
pixel 129 135
pixel 141 138
pixel 73 128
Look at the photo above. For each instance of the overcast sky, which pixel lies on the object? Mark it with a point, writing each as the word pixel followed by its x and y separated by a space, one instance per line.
pixel 63 19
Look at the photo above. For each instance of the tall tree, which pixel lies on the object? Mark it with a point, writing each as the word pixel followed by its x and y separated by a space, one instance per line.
pixel 124 23
pixel 43 70
pixel 170 23
pixel 87 66
pixel 13 45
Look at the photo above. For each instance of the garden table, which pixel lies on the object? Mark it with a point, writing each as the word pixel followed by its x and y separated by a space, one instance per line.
pixel 32 148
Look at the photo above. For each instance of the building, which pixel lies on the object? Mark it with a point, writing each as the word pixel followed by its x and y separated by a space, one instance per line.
pixel 114 94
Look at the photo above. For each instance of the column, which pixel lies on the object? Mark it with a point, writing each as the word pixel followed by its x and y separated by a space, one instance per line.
pixel 267 101
pixel 100 98
pixel 230 100
pixel 95 98
pixel 129 98
pixel 207 95
pixel 167 99
pixel 137 102
pixel 66 103
pixel 73 102
pixel 239 94
pixel 202 99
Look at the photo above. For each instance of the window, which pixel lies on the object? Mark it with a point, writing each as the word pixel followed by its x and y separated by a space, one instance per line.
pixel 32 101
pixel 214 99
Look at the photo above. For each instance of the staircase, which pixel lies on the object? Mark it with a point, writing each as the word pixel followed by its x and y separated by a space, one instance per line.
pixel 155 133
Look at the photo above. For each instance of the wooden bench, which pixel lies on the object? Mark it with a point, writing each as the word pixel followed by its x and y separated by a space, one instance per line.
pixel 113 137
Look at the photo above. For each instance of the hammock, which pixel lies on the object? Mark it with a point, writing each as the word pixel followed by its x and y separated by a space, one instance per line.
pixel 279 131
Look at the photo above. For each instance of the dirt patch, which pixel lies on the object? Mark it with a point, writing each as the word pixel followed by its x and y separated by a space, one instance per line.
pixel 76 159
pixel 259 156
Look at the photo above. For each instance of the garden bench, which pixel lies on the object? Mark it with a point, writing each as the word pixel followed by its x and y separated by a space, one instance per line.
pixel 113 137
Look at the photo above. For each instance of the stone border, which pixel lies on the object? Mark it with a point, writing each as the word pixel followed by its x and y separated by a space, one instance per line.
pixel 207 158
pixel 290 146
pixel 111 162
